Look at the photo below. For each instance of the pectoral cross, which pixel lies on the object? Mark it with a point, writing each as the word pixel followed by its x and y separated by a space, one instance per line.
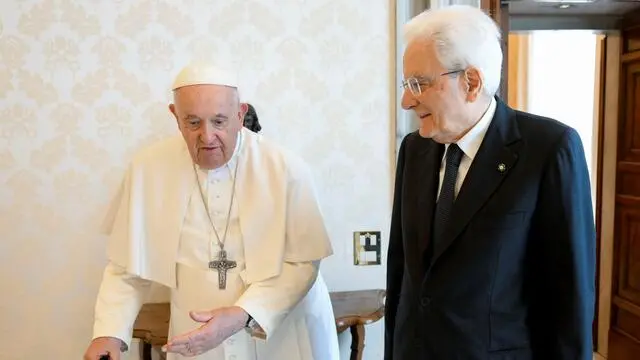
pixel 222 265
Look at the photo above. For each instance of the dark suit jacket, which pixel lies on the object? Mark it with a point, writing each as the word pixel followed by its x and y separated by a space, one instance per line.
pixel 514 277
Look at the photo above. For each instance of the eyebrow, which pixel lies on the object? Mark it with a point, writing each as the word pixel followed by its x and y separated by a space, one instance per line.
pixel 218 116
pixel 432 77
pixel 420 76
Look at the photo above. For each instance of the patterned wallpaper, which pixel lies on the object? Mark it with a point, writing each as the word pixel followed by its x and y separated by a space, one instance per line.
pixel 83 84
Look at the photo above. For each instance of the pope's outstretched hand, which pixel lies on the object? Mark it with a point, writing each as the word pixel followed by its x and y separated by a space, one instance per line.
pixel 218 325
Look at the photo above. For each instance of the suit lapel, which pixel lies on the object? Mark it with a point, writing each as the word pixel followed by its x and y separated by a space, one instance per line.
pixel 495 158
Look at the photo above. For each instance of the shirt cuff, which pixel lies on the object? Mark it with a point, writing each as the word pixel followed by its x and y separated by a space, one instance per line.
pixel 101 330
pixel 264 321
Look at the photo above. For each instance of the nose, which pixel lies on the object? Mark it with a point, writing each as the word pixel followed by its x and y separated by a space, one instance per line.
pixel 207 134
pixel 408 101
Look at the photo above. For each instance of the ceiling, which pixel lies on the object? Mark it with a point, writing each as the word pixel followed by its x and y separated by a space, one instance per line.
pixel 571 7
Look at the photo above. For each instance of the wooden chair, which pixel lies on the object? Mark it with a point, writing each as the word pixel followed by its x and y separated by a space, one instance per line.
pixel 352 309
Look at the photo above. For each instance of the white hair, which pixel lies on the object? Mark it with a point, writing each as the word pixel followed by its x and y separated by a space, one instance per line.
pixel 463 36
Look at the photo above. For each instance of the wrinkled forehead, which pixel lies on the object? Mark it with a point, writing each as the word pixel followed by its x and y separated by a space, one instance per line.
pixel 206 96
pixel 420 59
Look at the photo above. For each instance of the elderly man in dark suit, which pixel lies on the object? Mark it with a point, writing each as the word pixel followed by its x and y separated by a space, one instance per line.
pixel 492 243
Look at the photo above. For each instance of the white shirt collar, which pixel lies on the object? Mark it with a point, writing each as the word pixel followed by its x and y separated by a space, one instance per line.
pixel 236 151
pixel 471 141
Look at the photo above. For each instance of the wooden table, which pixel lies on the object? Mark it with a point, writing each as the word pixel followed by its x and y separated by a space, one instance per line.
pixel 352 309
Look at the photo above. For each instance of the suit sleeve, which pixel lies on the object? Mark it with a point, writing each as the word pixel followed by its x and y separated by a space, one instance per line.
pixel 564 243
pixel 395 258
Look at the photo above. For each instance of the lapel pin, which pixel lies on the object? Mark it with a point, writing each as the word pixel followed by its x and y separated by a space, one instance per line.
pixel 502 167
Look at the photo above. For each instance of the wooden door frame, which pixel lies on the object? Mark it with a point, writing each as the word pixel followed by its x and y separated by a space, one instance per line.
pixel 599 114
pixel 607 174
pixel 630 21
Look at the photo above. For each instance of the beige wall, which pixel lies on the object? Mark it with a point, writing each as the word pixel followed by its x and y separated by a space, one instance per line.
pixel 83 85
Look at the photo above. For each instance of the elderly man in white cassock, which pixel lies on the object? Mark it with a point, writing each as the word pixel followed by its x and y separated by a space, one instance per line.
pixel 230 223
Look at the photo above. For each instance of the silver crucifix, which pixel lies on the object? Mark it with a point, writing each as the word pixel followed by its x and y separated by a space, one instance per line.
pixel 222 265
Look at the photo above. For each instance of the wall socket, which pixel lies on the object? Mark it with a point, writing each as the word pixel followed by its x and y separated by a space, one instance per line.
pixel 366 248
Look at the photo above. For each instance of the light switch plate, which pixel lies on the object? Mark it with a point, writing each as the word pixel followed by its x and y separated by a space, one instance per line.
pixel 366 248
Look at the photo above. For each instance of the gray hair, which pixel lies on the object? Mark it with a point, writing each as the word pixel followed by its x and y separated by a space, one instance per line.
pixel 464 36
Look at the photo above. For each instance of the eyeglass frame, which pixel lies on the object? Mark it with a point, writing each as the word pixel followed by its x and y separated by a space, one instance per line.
pixel 420 81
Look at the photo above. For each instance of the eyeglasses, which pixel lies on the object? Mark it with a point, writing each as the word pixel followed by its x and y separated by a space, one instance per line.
pixel 415 84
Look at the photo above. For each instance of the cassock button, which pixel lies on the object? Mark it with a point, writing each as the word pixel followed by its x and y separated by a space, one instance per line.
pixel 502 167
pixel 425 301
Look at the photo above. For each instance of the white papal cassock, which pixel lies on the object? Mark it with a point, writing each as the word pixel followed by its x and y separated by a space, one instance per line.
pixel 159 232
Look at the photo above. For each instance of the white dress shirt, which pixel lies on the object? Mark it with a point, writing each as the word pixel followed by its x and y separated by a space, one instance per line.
pixel 469 144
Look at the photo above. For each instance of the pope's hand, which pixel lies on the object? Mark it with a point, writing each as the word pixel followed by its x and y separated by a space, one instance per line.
pixel 218 325
pixel 103 346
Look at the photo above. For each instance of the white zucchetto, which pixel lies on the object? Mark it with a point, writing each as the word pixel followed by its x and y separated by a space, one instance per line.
pixel 205 74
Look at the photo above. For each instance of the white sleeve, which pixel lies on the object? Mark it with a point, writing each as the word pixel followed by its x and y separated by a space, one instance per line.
pixel 270 301
pixel 120 298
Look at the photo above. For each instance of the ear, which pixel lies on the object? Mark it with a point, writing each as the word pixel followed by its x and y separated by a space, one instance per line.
pixel 172 109
pixel 243 111
pixel 473 84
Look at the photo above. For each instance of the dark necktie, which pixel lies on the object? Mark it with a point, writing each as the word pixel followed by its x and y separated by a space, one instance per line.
pixel 447 193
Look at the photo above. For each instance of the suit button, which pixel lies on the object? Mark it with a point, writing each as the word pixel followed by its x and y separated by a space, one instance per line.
pixel 425 301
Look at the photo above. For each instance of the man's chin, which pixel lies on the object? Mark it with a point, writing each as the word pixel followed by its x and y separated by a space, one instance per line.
pixel 427 133
pixel 209 159
pixel 210 164
pixel 437 136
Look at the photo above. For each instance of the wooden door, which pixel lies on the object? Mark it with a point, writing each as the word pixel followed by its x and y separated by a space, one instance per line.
pixel 624 333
